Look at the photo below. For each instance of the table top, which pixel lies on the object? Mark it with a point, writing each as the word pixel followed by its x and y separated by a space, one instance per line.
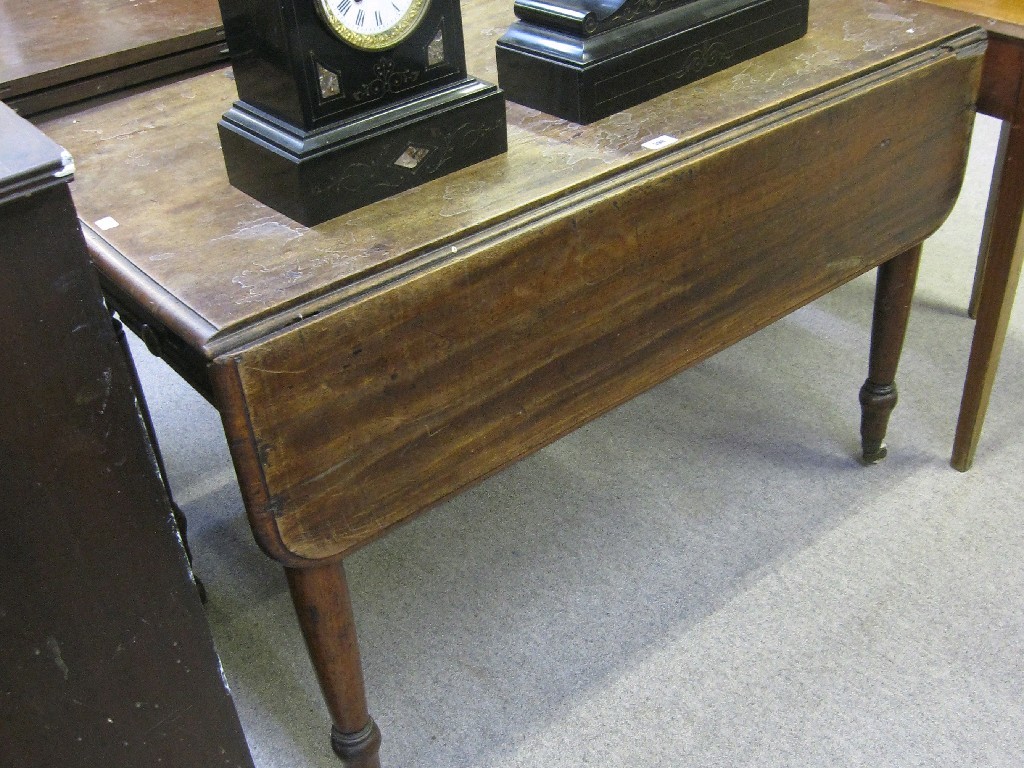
pixel 1005 16
pixel 41 48
pixel 220 269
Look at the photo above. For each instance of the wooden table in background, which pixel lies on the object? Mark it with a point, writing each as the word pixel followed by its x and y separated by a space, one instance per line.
pixel 371 366
pixel 52 55
pixel 1001 95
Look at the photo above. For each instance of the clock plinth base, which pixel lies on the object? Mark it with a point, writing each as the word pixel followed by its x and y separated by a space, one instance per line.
pixel 585 78
pixel 313 176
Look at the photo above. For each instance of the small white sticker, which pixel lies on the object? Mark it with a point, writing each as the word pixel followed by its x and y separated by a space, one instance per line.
pixel 106 223
pixel 660 143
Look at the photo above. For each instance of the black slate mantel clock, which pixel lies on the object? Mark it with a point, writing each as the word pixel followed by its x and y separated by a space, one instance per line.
pixel 346 102
pixel 582 60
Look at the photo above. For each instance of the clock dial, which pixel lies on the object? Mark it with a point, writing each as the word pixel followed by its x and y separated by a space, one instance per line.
pixel 371 25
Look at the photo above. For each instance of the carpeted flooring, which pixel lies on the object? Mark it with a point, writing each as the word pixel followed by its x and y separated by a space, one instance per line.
pixel 706 576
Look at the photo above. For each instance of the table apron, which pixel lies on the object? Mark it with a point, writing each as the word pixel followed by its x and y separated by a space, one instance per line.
pixel 1002 83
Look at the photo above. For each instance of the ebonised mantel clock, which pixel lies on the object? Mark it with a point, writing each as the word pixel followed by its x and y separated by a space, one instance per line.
pixel 346 102
pixel 582 60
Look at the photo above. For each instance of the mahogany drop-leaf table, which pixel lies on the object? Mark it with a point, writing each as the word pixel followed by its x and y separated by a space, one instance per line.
pixel 373 365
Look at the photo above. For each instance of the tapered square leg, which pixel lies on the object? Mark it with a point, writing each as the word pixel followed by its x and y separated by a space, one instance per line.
pixel 996 286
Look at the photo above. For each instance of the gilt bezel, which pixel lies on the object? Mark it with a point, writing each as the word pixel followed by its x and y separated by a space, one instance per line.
pixel 380 41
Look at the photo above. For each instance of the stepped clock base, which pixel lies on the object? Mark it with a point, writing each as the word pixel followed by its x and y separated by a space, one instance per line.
pixel 584 78
pixel 317 175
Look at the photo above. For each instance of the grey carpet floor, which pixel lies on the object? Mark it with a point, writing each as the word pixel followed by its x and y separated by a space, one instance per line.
pixel 704 577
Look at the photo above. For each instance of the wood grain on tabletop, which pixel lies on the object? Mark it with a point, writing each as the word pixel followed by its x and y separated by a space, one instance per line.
pixel 153 164
pixel 46 44
pixel 1007 11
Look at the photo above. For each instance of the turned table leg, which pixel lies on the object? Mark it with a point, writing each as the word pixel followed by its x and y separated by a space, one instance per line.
pixel 322 603
pixel 893 293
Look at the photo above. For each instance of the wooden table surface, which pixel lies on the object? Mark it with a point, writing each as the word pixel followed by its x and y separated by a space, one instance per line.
pixel 256 266
pixel 996 12
pixel 51 55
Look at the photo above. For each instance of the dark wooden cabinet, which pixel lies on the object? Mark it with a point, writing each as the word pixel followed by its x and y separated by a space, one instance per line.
pixel 105 655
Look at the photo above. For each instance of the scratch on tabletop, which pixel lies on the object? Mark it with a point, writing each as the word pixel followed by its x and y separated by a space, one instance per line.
pixel 126 134
pixel 54 648
pixel 275 371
